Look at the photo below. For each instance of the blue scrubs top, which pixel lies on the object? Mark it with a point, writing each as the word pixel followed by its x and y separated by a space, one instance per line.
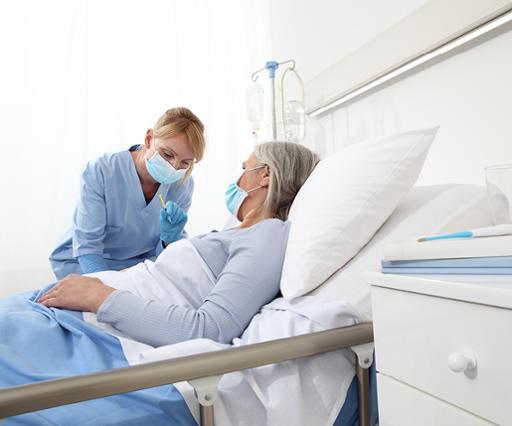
pixel 112 218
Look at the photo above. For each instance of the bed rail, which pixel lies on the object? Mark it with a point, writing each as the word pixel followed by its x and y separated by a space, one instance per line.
pixel 37 396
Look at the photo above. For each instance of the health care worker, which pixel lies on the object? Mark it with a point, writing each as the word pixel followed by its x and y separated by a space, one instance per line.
pixel 119 220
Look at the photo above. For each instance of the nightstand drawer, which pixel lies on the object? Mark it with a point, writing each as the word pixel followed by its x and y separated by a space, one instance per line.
pixel 401 405
pixel 420 339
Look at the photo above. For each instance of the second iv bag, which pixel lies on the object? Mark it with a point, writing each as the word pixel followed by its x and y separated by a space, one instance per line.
pixel 255 105
pixel 294 121
pixel 292 111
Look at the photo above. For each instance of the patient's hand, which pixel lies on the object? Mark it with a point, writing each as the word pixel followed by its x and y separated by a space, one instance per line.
pixel 78 293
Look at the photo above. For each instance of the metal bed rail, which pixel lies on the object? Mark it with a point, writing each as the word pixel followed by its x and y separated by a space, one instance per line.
pixel 37 396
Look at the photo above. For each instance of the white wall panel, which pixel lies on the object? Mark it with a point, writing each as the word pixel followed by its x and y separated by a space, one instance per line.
pixel 468 95
pixel 430 26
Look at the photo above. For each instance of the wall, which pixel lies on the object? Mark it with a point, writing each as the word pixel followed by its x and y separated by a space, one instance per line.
pixel 77 81
pixel 466 94
pixel 317 34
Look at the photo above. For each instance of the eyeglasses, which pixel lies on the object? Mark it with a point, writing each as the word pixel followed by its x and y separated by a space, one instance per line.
pixel 169 155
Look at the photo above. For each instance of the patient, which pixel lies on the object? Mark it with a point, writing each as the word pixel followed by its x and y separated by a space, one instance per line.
pixel 208 286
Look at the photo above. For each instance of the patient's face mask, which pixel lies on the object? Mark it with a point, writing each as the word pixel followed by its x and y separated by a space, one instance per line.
pixel 235 195
pixel 161 170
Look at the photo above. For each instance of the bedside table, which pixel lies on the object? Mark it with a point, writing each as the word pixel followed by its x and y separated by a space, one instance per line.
pixel 443 349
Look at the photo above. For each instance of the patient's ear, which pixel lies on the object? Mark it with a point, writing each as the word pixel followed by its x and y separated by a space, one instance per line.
pixel 265 181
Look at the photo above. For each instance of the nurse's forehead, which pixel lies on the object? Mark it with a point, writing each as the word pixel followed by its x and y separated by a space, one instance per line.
pixel 176 141
pixel 179 144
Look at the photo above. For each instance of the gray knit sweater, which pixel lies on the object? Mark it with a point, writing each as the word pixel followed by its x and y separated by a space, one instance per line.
pixel 246 264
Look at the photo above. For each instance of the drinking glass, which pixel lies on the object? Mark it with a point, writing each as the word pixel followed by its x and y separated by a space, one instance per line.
pixel 498 179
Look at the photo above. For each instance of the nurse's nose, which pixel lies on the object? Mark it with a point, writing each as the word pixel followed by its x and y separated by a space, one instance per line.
pixel 175 162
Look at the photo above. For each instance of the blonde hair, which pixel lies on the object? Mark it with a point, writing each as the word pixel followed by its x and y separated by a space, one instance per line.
pixel 181 120
pixel 290 165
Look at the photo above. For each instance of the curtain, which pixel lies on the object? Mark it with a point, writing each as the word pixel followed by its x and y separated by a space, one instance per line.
pixel 82 77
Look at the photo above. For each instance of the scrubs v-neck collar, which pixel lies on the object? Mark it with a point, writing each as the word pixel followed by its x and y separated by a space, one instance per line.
pixel 145 208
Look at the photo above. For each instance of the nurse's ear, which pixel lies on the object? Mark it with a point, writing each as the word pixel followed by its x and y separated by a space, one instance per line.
pixel 147 139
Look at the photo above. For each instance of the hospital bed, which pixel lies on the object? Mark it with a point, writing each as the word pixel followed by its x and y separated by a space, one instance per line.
pixel 196 369
pixel 454 206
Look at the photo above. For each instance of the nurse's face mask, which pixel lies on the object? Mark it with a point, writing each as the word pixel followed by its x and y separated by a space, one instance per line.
pixel 235 195
pixel 160 169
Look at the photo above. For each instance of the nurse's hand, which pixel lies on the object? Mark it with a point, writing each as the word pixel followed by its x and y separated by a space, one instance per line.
pixel 172 222
pixel 78 293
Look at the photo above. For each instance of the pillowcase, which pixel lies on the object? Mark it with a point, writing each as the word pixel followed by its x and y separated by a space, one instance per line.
pixel 425 210
pixel 346 199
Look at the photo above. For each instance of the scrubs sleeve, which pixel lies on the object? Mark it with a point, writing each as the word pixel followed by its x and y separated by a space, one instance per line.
pixel 90 219
pixel 249 280
pixel 90 263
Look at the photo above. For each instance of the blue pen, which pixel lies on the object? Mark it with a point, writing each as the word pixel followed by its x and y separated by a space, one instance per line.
pixel 491 231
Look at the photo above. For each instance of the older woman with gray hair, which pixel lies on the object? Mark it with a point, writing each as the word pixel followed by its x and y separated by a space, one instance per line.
pixel 209 286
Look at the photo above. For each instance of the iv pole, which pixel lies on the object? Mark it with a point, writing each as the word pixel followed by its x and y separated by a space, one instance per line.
pixel 272 66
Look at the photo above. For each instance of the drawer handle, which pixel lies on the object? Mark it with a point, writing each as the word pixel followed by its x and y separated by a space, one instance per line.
pixel 462 361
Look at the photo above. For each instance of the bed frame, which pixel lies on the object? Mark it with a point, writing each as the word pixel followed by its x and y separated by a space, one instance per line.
pixel 202 371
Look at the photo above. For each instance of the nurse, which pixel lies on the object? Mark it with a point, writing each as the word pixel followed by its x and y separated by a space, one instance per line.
pixel 119 220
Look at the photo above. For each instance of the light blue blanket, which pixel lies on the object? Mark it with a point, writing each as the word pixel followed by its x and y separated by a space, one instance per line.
pixel 39 343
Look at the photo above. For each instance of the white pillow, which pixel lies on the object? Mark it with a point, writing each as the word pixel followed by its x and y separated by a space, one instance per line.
pixel 346 199
pixel 424 210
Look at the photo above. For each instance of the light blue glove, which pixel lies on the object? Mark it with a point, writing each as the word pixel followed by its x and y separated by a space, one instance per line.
pixel 172 222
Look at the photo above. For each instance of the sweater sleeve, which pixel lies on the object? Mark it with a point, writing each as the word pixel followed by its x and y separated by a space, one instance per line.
pixel 249 279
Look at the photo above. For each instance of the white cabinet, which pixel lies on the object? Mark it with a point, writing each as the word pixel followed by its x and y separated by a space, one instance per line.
pixel 443 349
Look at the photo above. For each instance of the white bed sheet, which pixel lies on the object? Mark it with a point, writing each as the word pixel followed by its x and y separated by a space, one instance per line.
pixel 300 392
pixel 308 391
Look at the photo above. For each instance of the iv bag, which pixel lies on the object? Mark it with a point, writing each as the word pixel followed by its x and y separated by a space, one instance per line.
pixel 255 104
pixel 293 121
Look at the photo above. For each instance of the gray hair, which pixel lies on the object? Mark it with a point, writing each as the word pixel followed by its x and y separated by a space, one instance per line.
pixel 290 165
